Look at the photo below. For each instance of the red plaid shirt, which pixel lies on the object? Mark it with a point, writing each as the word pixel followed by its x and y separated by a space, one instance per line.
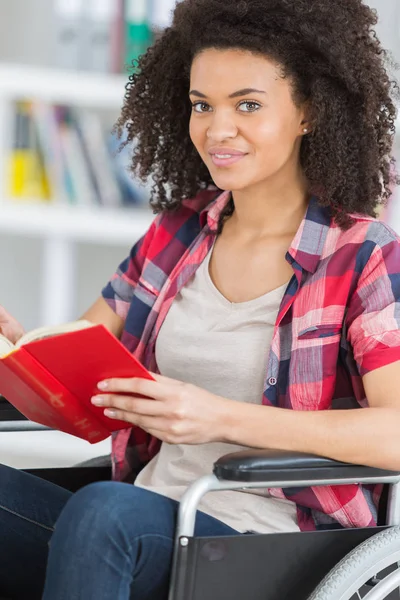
pixel 338 320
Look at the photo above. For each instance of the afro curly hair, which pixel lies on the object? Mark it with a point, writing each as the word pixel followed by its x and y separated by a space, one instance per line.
pixel 328 50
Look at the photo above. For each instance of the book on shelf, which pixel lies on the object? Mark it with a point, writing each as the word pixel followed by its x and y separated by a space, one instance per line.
pixel 118 37
pixel 44 122
pixel 67 33
pixel 98 26
pixel 51 374
pixel 93 140
pixel 26 176
pixel 101 35
pixel 79 184
pixel 69 156
pixel 138 34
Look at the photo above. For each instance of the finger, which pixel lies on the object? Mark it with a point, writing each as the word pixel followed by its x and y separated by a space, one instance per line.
pixel 133 385
pixel 129 403
pixel 123 415
pixel 146 423
pixel 150 408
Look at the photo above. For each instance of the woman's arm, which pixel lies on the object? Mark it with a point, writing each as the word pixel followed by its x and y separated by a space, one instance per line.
pixel 101 314
pixel 181 413
pixel 368 436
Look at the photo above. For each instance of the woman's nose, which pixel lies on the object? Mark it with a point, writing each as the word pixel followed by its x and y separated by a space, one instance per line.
pixel 221 127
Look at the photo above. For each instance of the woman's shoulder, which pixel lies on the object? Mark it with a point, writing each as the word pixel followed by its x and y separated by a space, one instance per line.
pixel 368 242
pixel 366 229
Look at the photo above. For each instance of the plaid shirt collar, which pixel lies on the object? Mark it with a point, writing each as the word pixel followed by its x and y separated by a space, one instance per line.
pixel 307 245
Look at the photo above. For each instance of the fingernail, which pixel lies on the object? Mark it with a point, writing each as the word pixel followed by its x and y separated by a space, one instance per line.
pixel 110 413
pixel 102 385
pixel 97 400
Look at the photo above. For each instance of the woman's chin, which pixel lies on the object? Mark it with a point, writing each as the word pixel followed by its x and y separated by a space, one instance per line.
pixel 225 183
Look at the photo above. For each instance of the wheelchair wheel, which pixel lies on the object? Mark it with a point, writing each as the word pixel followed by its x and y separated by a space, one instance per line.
pixel 370 572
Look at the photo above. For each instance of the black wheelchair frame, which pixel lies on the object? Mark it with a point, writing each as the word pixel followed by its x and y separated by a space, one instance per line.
pixel 277 566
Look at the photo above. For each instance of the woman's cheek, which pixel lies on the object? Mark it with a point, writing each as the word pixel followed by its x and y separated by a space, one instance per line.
pixel 196 132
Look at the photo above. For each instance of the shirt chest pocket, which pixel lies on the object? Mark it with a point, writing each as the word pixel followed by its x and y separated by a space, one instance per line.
pixel 322 333
pixel 313 366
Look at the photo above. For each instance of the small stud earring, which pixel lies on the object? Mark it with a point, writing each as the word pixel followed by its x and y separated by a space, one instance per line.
pixel 305 130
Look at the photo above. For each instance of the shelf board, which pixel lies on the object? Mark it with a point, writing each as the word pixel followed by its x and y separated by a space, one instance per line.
pixel 76 88
pixel 122 227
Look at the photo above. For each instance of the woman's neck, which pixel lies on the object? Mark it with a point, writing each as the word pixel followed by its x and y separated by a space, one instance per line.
pixel 262 212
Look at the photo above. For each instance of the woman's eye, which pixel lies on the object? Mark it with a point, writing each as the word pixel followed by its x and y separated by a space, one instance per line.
pixel 202 107
pixel 254 106
pixel 198 107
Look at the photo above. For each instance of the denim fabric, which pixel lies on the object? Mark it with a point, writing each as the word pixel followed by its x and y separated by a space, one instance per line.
pixel 29 507
pixel 109 541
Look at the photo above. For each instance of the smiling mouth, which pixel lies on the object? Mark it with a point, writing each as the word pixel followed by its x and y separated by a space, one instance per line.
pixel 225 160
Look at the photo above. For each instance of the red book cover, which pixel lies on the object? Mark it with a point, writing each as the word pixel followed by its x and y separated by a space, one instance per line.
pixel 52 380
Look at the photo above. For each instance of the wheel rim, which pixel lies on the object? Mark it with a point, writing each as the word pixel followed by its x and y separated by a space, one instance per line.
pixel 386 585
pixel 354 589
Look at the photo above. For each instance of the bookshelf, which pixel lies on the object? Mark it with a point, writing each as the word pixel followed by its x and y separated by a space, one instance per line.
pixel 58 86
pixel 102 225
pixel 60 227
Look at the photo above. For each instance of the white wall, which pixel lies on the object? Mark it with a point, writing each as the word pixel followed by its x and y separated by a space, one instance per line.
pixel 20 275
pixel 25 31
pixel 389 24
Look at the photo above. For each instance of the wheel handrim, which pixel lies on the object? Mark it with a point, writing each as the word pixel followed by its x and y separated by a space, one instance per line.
pixel 355 586
pixel 385 586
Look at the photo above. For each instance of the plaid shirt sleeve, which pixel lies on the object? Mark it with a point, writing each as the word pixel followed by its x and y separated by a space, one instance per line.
pixel 119 290
pixel 373 315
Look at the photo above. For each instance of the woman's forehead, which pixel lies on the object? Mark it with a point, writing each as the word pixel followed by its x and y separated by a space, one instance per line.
pixel 228 71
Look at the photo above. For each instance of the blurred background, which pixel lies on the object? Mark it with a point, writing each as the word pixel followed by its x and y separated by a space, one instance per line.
pixel 69 211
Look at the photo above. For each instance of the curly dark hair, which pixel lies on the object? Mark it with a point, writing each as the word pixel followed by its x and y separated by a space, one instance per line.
pixel 330 53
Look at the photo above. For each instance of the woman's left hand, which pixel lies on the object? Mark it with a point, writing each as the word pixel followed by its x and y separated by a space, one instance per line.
pixel 174 412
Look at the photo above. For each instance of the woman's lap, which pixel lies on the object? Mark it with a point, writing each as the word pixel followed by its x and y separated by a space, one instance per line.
pixel 124 546
pixel 110 539
pixel 29 508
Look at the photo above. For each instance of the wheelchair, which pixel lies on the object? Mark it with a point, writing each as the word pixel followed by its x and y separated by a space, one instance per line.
pixel 332 564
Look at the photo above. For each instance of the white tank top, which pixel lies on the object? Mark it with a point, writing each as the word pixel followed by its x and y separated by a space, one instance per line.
pixel 222 347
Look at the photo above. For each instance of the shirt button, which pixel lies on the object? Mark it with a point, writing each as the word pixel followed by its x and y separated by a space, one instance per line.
pixel 272 381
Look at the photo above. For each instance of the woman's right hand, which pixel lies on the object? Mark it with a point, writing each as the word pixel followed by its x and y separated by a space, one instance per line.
pixel 9 326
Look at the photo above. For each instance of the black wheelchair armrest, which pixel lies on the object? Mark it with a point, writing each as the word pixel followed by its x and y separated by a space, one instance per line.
pixel 279 465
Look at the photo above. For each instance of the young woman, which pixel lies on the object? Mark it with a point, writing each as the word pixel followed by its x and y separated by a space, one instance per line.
pixel 264 297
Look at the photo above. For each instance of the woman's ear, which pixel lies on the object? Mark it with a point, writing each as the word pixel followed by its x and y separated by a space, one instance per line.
pixel 306 125
pixel 305 128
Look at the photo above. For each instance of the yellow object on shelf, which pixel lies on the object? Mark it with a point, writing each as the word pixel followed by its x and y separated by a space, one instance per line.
pixel 26 173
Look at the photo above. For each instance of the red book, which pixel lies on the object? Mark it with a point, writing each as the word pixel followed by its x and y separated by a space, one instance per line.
pixel 51 380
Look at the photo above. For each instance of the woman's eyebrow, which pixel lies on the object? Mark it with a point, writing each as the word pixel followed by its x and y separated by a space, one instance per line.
pixel 243 92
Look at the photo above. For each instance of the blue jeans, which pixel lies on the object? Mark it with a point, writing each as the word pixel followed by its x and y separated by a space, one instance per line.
pixel 108 541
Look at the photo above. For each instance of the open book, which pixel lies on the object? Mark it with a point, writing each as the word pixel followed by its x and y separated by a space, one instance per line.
pixel 51 373
pixel 39 334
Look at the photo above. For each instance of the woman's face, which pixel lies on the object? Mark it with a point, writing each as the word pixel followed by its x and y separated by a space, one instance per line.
pixel 245 137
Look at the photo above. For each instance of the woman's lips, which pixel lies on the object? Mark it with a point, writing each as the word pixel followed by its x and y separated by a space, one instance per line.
pixel 226 162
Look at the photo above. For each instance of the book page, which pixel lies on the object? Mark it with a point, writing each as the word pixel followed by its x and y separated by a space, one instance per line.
pixel 5 346
pixel 44 332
